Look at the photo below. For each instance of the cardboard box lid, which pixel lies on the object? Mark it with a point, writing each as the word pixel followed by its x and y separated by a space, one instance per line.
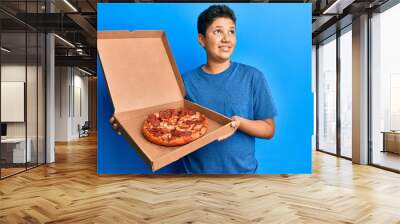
pixel 139 64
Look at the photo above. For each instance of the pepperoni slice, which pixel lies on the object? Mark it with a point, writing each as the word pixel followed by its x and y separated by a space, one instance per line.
pixel 184 112
pixel 176 133
pixel 155 123
pixel 164 130
pixel 151 118
pixel 190 122
pixel 155 131
pixel 186 133
pixel 163 115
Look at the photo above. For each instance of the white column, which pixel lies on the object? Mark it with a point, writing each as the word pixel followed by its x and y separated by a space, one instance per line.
pixel 50 100
pixel 50 93
pixel 314 91
pixel 360 90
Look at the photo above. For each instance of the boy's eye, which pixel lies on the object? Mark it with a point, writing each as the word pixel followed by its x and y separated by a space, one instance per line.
pixel 217 32
pixel 232 32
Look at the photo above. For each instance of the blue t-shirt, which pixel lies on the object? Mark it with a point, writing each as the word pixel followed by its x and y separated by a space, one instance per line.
pixel 239 90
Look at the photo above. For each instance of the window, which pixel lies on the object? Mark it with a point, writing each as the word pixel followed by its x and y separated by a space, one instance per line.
pixel 346 92
pixel 385 88
pixel 327 95
pixel 394 102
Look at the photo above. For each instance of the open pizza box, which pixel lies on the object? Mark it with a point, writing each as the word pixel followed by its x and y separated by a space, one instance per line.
pixel 143 78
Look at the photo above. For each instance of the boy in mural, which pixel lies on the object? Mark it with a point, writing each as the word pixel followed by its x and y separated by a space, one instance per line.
pixel 230 88
pixel 236 90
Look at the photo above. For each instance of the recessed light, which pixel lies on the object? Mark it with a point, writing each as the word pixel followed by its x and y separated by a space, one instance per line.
pixel 84 71
pixel 64 40
pixel 70 5
pixel 5 50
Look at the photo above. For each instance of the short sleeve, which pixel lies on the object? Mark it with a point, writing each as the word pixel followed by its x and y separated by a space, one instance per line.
pixel 185 85
pixel 264 106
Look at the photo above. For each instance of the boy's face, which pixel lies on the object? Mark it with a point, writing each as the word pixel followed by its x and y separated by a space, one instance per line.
pixel 220 39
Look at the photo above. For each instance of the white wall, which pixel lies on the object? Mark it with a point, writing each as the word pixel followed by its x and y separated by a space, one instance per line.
pixel 80 102
pixel 12 73
pixel 71 94
pixel 61 103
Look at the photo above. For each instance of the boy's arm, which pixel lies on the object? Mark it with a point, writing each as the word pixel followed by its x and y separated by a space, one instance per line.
pixel 257 128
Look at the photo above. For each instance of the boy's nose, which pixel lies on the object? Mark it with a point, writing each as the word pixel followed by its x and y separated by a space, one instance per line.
pixel 226 37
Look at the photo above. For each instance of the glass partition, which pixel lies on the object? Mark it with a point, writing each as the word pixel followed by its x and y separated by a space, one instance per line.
pixel 327 95
pixel 385 89
pixel 346 92
pixel 13 103
pixel 22 88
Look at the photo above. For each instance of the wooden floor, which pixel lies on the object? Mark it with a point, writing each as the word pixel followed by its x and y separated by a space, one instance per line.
pixel 5 172
pixel 70 191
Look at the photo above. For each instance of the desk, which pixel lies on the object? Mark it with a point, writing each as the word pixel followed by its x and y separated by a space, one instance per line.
pixel 391 141
pixel 16 147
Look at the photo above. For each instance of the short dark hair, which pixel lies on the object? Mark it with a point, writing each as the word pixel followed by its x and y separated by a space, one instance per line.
pixel 207 17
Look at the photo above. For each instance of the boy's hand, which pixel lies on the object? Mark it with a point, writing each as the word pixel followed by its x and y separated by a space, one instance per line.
pixel 115 126
pixel 258 128
pixel 236 122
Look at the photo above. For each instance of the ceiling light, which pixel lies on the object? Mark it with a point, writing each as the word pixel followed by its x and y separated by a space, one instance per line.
pixel 337 7
pixel 65 41
pixel 70 5
pixel 329 9
pixel 84 71
pixel 5 50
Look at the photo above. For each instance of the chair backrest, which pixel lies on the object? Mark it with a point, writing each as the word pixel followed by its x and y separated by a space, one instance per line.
pixel 86 125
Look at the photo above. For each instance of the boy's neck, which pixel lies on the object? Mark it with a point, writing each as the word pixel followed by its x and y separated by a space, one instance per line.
pixel 216 67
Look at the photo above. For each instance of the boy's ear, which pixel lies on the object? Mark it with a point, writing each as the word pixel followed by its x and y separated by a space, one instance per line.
pixel 201 38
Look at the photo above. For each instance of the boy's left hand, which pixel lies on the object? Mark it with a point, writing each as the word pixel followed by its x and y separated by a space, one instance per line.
pixel 257 128
pixel 236 120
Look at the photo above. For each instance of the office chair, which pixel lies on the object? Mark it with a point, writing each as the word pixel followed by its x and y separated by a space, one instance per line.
pixel 84 130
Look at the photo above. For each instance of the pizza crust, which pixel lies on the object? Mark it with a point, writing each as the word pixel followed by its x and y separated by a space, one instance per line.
pixel 174 127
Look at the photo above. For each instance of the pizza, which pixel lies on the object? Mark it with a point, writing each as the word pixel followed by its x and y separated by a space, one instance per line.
pixel 174 127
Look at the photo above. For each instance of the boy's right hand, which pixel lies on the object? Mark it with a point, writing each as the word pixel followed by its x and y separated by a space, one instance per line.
pixel 115 126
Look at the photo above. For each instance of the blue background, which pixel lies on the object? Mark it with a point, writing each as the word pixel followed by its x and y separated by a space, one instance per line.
pixel 275 38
